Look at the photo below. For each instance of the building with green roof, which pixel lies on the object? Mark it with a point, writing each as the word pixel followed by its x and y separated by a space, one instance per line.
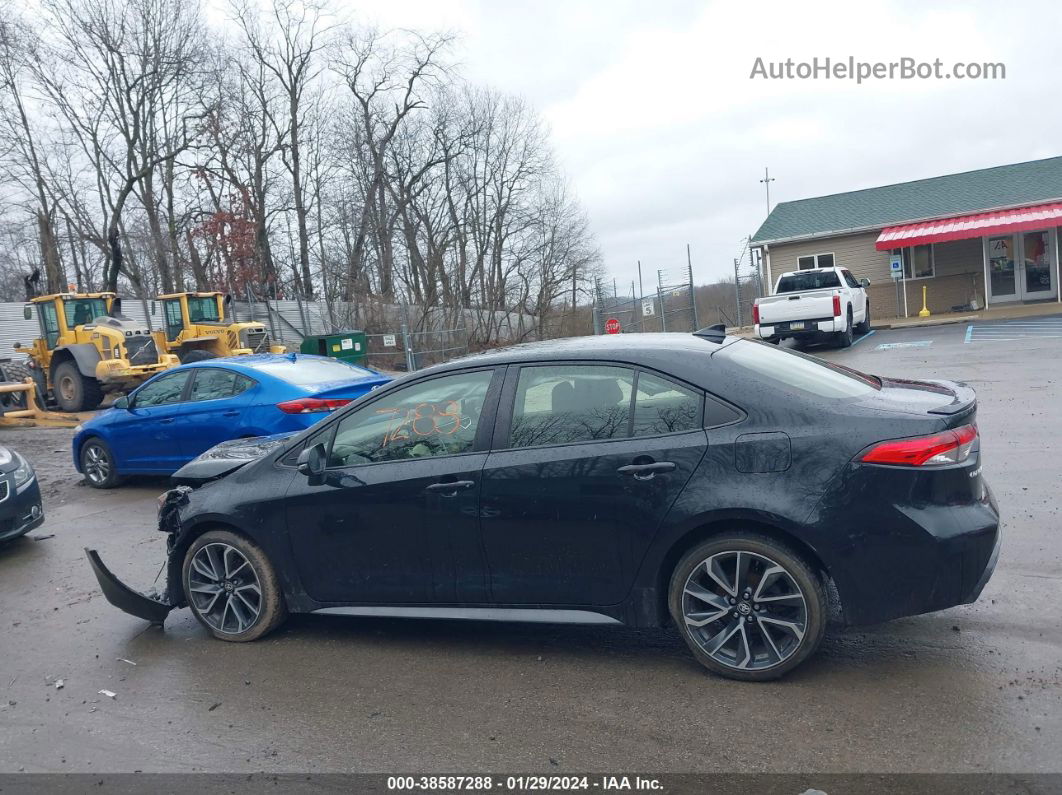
pixel 981 237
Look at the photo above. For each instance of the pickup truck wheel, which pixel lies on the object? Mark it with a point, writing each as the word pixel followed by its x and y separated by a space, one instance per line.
pixel 864 327
pixel 844 338
pixel 748 606
pixel 774 340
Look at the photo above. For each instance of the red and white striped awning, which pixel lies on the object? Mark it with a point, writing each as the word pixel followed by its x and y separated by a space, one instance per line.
pixel 966 226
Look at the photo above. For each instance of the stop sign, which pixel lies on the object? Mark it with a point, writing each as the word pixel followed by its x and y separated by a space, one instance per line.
pixel 612 326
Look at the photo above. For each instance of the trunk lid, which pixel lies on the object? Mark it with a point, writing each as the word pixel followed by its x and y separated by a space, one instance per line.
pixel 951 401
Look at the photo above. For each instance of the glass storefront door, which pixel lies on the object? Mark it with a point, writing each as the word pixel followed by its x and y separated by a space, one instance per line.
pixel 1037 265
pixel 1002 273
pixel 1021 267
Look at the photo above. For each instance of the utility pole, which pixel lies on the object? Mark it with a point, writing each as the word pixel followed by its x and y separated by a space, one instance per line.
pixel 737 289
pixel 766 182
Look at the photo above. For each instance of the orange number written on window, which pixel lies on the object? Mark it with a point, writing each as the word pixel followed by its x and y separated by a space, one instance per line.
pixel 424 419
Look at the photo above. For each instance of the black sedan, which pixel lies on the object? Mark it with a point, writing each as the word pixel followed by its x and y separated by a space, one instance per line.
pixel 720 484
pixel 20 496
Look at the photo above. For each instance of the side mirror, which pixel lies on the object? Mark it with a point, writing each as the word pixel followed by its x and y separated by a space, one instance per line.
pixel 27 312
pixel 228 299
pixel 312 461
pixel 121 403
pixel 16 345
pixel 864 283
pixel 152 308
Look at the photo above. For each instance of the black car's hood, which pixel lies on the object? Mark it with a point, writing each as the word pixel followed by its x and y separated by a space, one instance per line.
pixel 225 458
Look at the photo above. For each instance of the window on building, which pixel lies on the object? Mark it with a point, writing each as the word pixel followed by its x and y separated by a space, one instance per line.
pixel 815 261
pixel 918 262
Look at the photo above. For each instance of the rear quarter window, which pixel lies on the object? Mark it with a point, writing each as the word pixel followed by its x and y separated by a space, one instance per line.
pixel 799 371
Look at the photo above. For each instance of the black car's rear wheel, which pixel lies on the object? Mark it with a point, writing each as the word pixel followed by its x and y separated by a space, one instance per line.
pixel 231 587
pixel 747 606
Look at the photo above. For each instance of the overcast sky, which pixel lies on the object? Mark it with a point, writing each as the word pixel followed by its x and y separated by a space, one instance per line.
pixel 665 136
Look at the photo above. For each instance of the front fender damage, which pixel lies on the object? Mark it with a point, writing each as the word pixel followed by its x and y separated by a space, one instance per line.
pixel 156 606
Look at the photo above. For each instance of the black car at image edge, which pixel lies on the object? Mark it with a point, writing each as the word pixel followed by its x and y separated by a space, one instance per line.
pixel 718 484
pixel 20 496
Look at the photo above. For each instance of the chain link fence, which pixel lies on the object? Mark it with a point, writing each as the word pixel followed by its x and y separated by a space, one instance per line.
pixel 673 306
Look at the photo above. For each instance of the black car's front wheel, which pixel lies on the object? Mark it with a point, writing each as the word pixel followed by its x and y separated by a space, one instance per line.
pixel 747 606
pixel 231 587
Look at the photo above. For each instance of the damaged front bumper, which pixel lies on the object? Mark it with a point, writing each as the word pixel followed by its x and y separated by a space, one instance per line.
pixel 153 608
pixel 125 598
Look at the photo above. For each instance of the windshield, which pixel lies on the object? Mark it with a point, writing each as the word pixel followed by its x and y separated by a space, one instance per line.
pixel 796 282
pixel 203 309
pixel 310 372
pixel 80 311
pixel 800 371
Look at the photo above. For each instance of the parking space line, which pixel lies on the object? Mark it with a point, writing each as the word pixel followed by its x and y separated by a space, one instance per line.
pixel 868 334
pixel 1046 328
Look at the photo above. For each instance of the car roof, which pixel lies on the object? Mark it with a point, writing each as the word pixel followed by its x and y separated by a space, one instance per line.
pixel 253 361
pixel 649 349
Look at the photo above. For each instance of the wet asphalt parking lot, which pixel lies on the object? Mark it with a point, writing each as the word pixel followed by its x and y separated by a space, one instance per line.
pixel 975 688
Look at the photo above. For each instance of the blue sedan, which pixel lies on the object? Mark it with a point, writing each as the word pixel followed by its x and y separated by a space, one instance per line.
pixel 178 414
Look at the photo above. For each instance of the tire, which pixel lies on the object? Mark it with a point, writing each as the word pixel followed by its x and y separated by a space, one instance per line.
pixel 844 338
pixel 864 327
pixel 774 340
pixel 98 465
pixel 232 613
pixel 197 355
pixel 74 391
pixel 15 372
pixel 756 656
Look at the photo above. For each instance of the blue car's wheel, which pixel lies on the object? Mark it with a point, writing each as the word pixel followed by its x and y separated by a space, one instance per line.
pixel 97 464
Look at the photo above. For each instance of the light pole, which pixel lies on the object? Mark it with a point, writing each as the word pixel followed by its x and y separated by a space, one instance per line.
pixel 766 182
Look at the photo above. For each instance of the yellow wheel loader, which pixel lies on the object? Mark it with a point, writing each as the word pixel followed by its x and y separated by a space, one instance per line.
pixel 195 328
pixel 86 349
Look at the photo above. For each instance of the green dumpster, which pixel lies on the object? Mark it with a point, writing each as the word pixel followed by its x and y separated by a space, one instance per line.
pixel 350 346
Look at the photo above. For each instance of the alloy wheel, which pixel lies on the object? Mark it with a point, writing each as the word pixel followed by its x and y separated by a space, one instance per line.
pixel 224 588
pixel 97 464
pixel 744 610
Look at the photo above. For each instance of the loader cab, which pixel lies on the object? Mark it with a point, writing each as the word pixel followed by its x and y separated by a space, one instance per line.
pixel 60 314
pixel 181 310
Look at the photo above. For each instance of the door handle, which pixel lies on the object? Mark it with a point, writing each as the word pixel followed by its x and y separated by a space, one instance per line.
pixel 646 471
pixel 167 420
pixel 450 487
pixel 230 414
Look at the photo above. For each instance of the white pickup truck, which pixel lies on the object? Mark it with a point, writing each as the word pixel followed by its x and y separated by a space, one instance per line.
pixel 812 303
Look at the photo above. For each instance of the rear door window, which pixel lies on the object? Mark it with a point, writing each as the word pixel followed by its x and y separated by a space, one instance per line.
pixel 213 383
pixel 797 282
pixel 563 404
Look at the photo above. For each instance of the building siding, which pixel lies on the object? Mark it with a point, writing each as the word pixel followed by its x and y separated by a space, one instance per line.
pixel 959 269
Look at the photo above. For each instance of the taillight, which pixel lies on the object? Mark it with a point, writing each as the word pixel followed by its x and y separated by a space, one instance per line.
pixel 755 314
pixel 310 405
pixel 949 447
pixel 836 305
